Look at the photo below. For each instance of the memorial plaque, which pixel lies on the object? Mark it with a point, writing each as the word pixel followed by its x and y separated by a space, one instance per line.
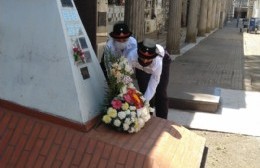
pixel 85 73
pixel 83 42
pixel 66 3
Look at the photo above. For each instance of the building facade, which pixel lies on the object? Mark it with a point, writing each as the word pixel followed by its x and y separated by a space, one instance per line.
pixel 196 17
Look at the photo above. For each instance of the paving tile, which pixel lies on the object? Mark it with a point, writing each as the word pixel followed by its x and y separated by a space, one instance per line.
pixel 49 141
pixel 51 155
pixel 41 146
pixel 23 159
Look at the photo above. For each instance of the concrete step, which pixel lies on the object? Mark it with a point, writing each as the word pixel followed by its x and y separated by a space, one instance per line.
pixel 197 98
pixel 255 81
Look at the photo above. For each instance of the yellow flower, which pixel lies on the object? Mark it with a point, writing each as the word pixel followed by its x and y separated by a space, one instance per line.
pixel 136 124
pixel 107 119
pixel 125 106
pixel 112 112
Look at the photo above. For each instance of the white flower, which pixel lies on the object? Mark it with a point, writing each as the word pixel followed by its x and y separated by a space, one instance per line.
pixel 123 89
pixel 123 60
pixel 141 122
pixel 127 112
pixel 119 77
pixel 133 114
pixel 152 110
pixel 137 127
pixel 138 113
pixel 144 111
pixel 127 79
pixel 121 115
pixel 117 122
pixel 147 117
pixel 114 65
pixel 137 91
pixel 126 126
pixel 128 68
pixel 132 108
pixel 128 121
pixel 131 130
pixel 146 103
pixel 121 63
pixel 131 86
pixel 133 119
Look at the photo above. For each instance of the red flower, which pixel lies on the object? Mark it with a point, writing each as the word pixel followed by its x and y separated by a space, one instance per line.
pixel 135 98
pixel 128 98
pixel 75 49
pixel 116 104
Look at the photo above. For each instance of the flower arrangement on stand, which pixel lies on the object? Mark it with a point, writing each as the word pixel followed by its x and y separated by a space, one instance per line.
pixel 126 109
pixel 78 54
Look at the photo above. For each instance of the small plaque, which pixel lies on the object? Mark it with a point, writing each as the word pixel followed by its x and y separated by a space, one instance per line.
pixel 85 73
pixel 66 3
pixel 83 42
pixel 102 17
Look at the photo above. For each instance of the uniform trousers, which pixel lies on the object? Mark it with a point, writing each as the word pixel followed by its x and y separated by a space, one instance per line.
pixel 160 99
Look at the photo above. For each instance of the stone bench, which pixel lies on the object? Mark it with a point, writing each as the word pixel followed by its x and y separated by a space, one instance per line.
pixel 198 98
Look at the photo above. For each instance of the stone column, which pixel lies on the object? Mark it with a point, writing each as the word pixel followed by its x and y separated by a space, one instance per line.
pixel 249 10
pixel 224 11
pixel 174 29
pixel 209 16
pixel 192 22
pixel 233 9
pixel 218 14
pixel 165 6
pixel 134 17
pixel 222 14
pixel 229 9
pixel 214 6
pixel 198 16
pixel 184 13
pixel 203 18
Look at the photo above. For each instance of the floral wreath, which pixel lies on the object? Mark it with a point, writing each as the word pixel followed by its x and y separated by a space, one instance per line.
pixel 126 109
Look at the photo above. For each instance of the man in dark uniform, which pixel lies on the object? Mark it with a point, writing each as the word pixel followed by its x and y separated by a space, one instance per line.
pixel 152 65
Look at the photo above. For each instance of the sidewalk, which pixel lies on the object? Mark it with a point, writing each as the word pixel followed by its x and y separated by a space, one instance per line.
pixel 229 60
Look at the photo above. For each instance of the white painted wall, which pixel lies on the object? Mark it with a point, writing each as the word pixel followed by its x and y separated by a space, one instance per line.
pixel 37 69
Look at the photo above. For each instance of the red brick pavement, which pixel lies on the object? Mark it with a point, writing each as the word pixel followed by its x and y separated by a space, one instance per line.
pixel 30 142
